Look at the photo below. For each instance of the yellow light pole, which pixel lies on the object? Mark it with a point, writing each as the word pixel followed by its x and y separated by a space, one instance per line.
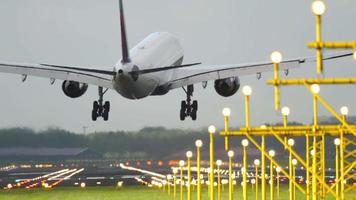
pixel 175 172
pixel 226 112
pixel 294 162
pixel 276 58
pixel 285 113
pixel 253 182
pixel 189 155
pixel 271 153
pixel 257 163
pixel 244 143
pixel 212 131
pixel 169 178
pixel 291 144
pixel 231 191
pixel 315 90
pixel 278 170
pixel 337 144
pixel 318 8
pixel 344 112
pixel 181 165
pixel 218 164
pixel 247 91
pixel 198 144
pixel 263 169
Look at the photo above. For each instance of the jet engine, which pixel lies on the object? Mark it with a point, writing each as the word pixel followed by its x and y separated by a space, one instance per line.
pixel 74 89
pixel 227 87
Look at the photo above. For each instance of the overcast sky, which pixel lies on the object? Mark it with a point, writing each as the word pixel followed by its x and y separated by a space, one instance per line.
pixel 87 33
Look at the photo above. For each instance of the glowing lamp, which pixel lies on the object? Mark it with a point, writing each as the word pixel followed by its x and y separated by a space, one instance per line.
pixel 247 90
pixel 315 88
pixel 212 129
pixel 294 161
pixel 226 112
pixel 291 142
pixel 230 154
pixel 198 143
pixel 257 162
pixel 218 162
pixel 344 110
pixel 189 154
pixel 276 57
pixel 318 7
pixel 181 163
pixel 337 141
pixel 285 111
pixel 244 142
pixel 272 153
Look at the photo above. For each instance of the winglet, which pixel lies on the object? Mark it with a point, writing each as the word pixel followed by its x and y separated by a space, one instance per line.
pixel 124 45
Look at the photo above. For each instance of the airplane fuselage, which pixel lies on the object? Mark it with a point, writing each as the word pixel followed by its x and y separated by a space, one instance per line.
pixel 159 49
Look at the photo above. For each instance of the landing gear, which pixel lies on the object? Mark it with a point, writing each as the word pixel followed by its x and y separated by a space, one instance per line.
pixel 187 108
pixel 100 109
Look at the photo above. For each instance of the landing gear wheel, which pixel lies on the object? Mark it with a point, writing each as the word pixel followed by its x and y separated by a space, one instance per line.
pixel 94 115
pixel 106 115
pixel 107 106
pixel 95 106
pixel 194 115
pixel 100 109
pixel 182 115
pixel 195 105
pixel 188 108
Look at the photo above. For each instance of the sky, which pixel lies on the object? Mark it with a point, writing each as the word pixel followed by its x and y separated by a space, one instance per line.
pixel 87 33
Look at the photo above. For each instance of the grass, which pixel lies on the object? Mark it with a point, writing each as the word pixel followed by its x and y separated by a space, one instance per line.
pixel 127 193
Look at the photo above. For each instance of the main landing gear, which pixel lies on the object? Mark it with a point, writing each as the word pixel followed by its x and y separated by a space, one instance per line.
pixel 100 109
pixel 188 108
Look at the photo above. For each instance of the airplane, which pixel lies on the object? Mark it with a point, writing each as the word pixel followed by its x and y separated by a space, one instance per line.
pixel 153 67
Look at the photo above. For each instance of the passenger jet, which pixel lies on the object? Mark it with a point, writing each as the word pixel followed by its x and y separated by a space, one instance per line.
pixel 152 67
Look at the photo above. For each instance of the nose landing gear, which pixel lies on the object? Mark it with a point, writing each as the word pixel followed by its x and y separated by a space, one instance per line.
pixel 188 108
pixel 101 109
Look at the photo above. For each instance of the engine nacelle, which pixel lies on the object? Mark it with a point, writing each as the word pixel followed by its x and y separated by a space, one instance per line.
pixel 74 89
pixel 227 87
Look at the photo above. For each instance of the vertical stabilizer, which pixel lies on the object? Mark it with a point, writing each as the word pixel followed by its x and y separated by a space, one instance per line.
pixel 124 45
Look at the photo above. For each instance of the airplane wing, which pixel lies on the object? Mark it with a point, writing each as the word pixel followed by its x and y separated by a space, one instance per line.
pixel 202 73
pixel 97 77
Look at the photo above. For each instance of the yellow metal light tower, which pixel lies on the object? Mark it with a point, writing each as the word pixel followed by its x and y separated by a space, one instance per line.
pixel 257 164
pixel 175 172
pixel 181 165
pixel 244 143
pixel 226 112
pixel 218 164
pixel 198 144
pixel 231 189
pixel 294 163
pixel 189 155
pixel 212 131
pixel 271 153
pixel 278 170
pixel 290 144
pixel 337 161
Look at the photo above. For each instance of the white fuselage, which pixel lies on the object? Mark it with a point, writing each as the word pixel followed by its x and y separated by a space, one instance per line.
pixel 157 50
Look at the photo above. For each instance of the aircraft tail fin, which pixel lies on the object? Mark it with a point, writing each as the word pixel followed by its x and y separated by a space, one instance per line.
pixel 124 43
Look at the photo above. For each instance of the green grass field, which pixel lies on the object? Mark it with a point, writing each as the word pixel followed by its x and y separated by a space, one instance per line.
pixel 127 193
